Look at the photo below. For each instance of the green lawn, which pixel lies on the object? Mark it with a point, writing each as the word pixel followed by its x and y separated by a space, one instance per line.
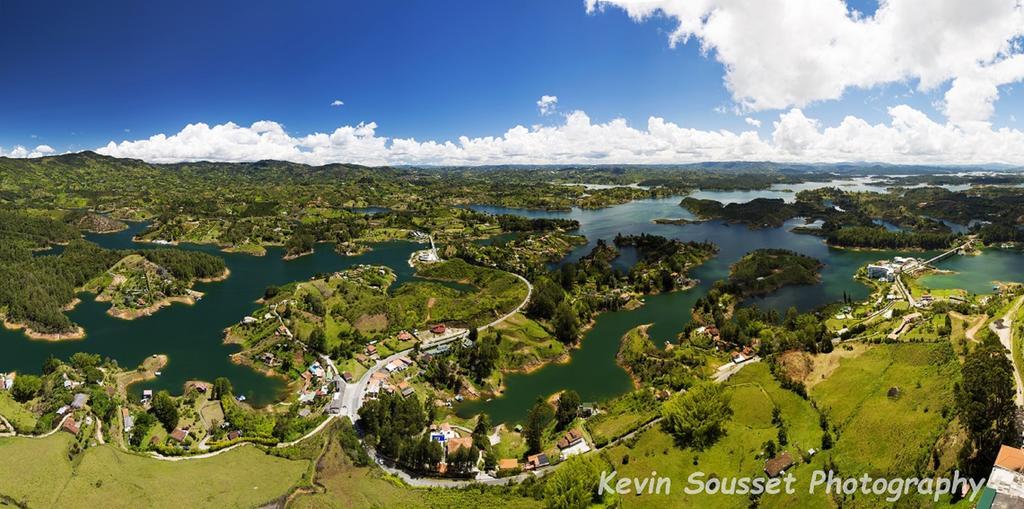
pixel 856 400
pixel 17 415
pixel 753 392
pixel 37 472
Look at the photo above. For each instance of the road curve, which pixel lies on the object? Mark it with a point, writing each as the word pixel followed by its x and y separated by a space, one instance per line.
pixel 529 293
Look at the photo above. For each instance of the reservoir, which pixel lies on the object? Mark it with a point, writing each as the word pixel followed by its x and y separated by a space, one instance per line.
pixel 192 335
pixel 592 370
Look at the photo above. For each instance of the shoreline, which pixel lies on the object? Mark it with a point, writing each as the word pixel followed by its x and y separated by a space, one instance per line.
pixel 642 330
pixel 77 334
pixel 132 314
pixel 290 257
pixel 224 275
pixel 251 252
pixel 143 373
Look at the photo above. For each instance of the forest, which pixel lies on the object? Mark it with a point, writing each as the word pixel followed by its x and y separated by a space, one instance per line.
pixel 880 238
pixel 765 270
pixel 35 289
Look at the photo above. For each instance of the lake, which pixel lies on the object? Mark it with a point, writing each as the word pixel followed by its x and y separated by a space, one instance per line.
pixel 191 335
pixel 592 370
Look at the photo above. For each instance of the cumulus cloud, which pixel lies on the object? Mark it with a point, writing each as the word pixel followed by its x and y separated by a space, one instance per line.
pixel 21 152
pixel 783 53
pixel 337 102
pixel 908 136
pixel 547 104
pixel 752 122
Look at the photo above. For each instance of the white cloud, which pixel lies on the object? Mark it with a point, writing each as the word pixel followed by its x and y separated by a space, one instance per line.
pixel 783 53
pixel 909 136
pixel 19 151
pixel 752 122
pixel 547 104
pixel 337 102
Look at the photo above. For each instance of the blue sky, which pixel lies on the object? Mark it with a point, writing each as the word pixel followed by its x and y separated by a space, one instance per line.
pixel 80 74
pixel 418 69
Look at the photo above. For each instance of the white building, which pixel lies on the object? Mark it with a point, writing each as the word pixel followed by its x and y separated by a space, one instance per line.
pixel 883 271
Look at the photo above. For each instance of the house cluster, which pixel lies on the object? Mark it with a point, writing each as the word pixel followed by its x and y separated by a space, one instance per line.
pixel 78 402
pixel 572 443
pixel 1005 487
pixel 779 464
pixel 450 441
pixel 398 365
pixel 533 462
pixel 381 380
pixel 270 359
pixel 709 332
pixel 318 382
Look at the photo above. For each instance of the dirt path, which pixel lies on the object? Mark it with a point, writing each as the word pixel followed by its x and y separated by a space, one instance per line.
pixel 1005 334
pixel 978 324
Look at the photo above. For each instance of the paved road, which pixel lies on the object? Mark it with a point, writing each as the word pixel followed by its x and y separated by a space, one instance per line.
pixel 1006 338
pixel 529 293
pixel 354 391
pixel 728 370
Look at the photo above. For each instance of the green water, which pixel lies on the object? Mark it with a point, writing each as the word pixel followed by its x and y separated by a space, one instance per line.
pixel 191 335
pixel 976 274
pixel 592 370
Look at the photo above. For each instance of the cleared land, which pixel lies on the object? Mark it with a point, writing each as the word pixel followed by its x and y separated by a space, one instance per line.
pixel 38 473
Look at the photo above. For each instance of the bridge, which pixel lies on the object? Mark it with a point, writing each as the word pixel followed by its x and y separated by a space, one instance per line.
pixel 921 265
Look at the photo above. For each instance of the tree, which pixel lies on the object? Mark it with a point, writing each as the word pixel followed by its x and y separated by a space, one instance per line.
pixel 566 323
pixel 317 341
pixel 481 432
pixel 783 435
pixel 546 296
pixel 483 356
pixel 537 421
pixel 697 417
pixel 143 422
pixel 51 364
pixel 83 361
pixel 165 410
pixel 102 404
pixel 222 387
pixel 985 400
pixel 26 387
pixel 462 460
pixel 826 441
pixel 568 408
pixel 575 484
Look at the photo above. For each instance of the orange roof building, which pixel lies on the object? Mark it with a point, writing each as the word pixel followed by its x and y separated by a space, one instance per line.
pixel 1010 458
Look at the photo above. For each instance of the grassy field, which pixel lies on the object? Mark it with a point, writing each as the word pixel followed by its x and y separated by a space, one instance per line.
pixel 525 342
pixel 853 393
pixel 22 420
pixel 349 487
pixel 622 415
pixel 856 398
pixel 753 393
pixel 38 473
